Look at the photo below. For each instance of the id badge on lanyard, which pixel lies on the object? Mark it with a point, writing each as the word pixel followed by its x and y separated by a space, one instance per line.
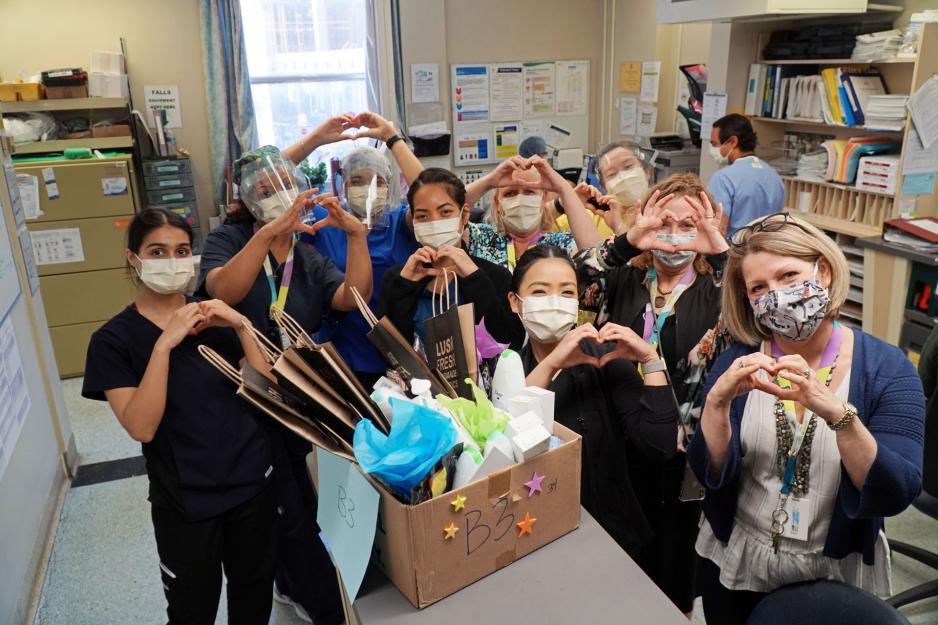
pixel 278 297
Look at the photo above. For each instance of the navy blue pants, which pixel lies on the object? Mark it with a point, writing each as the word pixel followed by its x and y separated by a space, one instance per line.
pixel 304 571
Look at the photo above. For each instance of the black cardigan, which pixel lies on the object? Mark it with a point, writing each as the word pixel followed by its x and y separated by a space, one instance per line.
pixel 609 407
pixel 487 289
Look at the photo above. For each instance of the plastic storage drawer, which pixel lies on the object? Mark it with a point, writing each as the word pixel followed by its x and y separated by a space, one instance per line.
pixel 158 183
pixel 169 196
pixel 186 210
pixel 167 167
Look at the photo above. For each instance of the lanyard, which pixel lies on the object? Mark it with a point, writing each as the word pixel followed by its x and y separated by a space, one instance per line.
pixel 278 297
pixel 512 254
pixel 828 357
pixel 654 324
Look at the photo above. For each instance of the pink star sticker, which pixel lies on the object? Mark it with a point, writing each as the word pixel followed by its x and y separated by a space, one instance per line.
pixel 534 484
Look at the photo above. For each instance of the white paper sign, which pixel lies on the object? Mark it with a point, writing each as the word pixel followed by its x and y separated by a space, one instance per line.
pixel 165 97
pixel 628 115
pixel 52 189
pixel 54 247
pixel 572 87
pixel 425 82
pixel 14 394
pixel 507 89
pixel 470 93
pixel 28 187
pixel 651 75
pixel 647 119
pixel 557 137
pixel 714 107
pixel 917 159
pixel 539 89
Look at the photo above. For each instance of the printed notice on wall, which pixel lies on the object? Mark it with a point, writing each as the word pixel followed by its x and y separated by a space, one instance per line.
pixel 572 87
pixel 714 107
pixel 14 394
pixel 628 115
pixel 651 76
pixel 539 89
pixel 472 147
pixel 424 82
pixel 506 140
pixel 28 187
pixel 507 86
pixel 55 247
pixel 164 97
pixel 470 93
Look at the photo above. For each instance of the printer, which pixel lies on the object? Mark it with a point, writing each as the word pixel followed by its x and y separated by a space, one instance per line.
pixel 669 154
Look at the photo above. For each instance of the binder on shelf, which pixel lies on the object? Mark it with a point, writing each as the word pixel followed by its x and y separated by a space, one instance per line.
pixel 925 228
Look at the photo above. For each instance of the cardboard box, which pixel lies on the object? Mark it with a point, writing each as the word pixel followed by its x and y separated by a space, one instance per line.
pixel 410 546
pixel 117 130
pixel 20 91
pixel 67 92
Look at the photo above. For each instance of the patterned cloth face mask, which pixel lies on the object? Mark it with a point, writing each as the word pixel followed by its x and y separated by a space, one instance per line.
pixel 794 312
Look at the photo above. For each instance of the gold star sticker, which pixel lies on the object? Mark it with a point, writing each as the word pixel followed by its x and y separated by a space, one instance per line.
pixel 527 525
pixel 450 531
pixel 459 503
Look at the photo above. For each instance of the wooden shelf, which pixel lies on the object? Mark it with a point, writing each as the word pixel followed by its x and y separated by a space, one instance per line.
pixel 841 226
pixel 837 185
pixel 804 122
pixel 103 143
pixel 68 104
pixel 837 62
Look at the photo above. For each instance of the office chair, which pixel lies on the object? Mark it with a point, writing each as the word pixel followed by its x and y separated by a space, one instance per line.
pixel 927 503
pixel 824 601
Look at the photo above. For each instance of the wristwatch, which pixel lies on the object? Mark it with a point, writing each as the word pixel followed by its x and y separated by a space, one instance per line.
pixel 391 141
pixel 850 413
pixel 654 367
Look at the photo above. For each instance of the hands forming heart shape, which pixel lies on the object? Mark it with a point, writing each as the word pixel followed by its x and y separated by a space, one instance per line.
pixel 586 345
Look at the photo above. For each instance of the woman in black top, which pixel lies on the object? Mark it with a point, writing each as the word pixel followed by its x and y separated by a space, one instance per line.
pixel 437 200
pixel 208 462
pixel 599 393
pixel 662 279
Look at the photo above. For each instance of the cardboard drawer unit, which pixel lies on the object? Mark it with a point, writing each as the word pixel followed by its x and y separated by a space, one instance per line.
pixel 79 236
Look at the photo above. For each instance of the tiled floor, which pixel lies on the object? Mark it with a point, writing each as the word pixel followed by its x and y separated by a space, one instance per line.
pixel 104 569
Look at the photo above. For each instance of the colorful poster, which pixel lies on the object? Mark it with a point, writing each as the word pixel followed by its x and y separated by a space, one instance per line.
pixel 539 89
pixel 472 147
pixel 506 141
pixel 470 93
pixel 507 91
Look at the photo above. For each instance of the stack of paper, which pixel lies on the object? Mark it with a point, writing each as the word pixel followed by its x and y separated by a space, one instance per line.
pixel 844 155
pixel 886 112
pixel 878 173
pixel 877 46
pixel 813 165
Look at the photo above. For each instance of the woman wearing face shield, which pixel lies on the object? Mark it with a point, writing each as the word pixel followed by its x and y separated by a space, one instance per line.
pixel 390 238
pixel 521 217
pixel 811 432
pixel 662 279
pixel 599 393
pixel 255 261
pixel 437 200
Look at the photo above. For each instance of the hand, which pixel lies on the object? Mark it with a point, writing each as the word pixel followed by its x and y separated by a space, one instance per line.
pixel 652 216
pixel 741 377
pixel 628 345
pixel 807 390
pixel 463 264
pixel 218 314
pixel 291 220
pixel 181 324
pixel 709 239
pixel 502 175
pixel 587 192
pixel 613 214
pixel 333 129
pixel 568 352
pixel 415 270
pixel 337 217
pixel 377 127
pixel 550 179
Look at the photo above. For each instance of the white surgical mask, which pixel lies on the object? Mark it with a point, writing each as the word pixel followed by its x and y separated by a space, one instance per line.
pixel 548 318
pixel 166 275
pixel 357 197
pixel 522 213
pixel 718 157
pixel 268 209
pixel 438 233
pixel 675 260
pixel 629 185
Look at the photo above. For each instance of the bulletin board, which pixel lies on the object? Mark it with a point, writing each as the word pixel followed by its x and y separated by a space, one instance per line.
pixel 496 106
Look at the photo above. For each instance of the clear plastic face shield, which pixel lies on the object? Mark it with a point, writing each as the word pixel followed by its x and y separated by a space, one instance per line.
pixel 366 188
pixel 271 187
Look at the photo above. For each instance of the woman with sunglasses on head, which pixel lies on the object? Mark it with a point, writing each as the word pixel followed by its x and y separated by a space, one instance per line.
pixel 439 210
pixel 208 461
pixel 598 394
pixel 811 432
pixel 662 279
pixel 521 216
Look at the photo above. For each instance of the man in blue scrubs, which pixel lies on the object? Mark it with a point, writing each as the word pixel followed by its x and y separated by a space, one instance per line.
pixel 748 187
